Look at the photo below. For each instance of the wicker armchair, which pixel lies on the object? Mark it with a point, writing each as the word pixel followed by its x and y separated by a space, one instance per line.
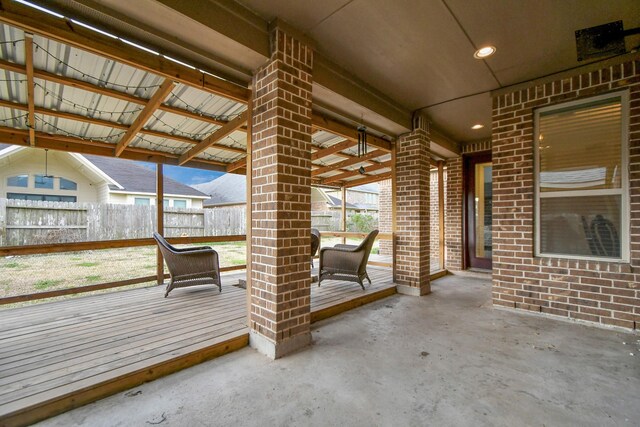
pixel 315 243
pixel 190 266
pixel 347 262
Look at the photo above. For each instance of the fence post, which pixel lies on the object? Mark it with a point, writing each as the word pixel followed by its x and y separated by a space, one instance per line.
pixel 3 222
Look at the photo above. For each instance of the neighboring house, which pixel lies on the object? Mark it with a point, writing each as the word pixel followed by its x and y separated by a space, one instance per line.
pixel 363 198
pixel 230 190
pixel 35 174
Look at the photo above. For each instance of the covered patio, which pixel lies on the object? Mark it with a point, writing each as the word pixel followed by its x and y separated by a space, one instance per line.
pixel 376 366
pixel 507 262
pixel 58 355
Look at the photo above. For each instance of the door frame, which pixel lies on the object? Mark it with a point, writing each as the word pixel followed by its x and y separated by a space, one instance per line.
pixel 469 182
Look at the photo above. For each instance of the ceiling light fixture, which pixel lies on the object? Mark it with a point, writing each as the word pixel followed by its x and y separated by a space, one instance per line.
pixel 483 52
pixel 477 126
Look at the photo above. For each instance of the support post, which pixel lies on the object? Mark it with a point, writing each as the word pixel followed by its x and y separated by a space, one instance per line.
pixel 160 220
pixel 441 211
pixel 394 195
pixel 31 118
pixel 280 312
pixel 343 218
pixel 249 206
pixel 413 179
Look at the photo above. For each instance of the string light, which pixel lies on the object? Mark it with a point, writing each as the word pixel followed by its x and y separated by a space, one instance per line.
pixel 16 118
pixel 82 107
pixel 76 135
pixel 188 107
pixel 13 42
pixel 86 75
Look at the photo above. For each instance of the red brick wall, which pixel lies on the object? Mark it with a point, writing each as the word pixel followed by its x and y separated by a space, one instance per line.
pixel 385 215
pixel 281 192
pixel 453 215
pixel 596 291
pixel 412 210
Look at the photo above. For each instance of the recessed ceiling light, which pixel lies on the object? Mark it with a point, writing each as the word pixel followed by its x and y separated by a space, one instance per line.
pixel 483 52
pixel 476 127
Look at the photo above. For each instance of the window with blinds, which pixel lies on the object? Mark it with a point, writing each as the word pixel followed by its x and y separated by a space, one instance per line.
pixel 582 179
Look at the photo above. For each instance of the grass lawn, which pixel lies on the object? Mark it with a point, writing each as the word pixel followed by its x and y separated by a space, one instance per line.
pixel 28 274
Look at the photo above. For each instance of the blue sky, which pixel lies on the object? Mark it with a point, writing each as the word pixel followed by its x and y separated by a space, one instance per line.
pixel 187 176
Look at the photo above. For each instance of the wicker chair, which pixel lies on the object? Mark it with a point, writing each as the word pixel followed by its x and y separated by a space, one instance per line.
pixel 315 243
pixel 347 262
pixel 190 266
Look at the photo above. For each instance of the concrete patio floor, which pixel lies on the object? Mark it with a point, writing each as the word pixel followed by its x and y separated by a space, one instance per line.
pixel 445 359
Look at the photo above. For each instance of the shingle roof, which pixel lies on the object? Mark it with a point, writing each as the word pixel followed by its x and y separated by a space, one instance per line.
pixel 231 189
pixel 136 178
pixel 228 189
pixel 338 202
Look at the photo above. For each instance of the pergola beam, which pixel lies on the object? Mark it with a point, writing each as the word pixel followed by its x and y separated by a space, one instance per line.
pixel 335 148
pixel 348 162
pixel 67 32
pixel 66 143
pixel 337 128
pixel 31 116
pixel 349 174
pixel 215 137
pixel 368 180
pixel 107 123
pixel 143 117
pixel 238 164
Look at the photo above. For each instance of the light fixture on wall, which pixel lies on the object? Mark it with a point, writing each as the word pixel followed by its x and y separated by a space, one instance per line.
pixel 362 140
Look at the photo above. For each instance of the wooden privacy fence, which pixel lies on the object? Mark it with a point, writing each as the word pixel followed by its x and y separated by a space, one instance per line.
pixel 25 222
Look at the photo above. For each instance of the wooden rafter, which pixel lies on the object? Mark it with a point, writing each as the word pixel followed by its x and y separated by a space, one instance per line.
pixel 324 152
pixel 349 174
pixel 143 116
pixel 237 165
pixel 67 143
pixel 69 33
pixel 108 123
pixel 368 180
pixel 335 127
pixel 31 115
pixel 113 93
pixel 212 139
pixel 348 162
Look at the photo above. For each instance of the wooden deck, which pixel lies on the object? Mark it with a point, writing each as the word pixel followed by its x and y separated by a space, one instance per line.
pixel 61 355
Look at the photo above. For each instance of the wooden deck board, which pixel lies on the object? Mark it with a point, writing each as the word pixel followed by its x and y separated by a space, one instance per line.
pixel 60 355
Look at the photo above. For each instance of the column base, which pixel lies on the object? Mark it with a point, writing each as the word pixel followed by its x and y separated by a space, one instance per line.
pixel 414 291
pixel 277 350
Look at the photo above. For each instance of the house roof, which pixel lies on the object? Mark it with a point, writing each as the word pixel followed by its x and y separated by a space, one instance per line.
pixel 136 178
pixel 336 202
pixel 228 189
pixel 231 189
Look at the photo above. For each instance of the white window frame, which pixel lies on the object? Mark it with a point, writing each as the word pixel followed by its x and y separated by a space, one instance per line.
pixel 625 249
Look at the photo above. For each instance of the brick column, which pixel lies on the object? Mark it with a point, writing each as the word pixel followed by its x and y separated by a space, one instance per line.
pixel 453 215
pixel 412 210
pixel 281 198
pixel 385 216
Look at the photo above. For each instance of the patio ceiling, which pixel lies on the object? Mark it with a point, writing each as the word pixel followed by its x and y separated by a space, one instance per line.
pixel 417 55
pixel 89 101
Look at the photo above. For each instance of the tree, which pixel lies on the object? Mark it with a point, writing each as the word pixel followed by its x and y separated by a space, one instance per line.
pixel 361 223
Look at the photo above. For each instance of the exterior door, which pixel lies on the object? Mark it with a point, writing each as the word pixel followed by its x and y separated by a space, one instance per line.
pixel 478 171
